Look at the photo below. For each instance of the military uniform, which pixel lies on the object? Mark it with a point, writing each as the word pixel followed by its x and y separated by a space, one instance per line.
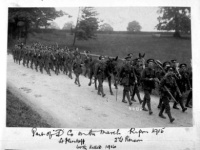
pixel 127 79
pixel 137 72
pixel 77 68
pixel 160 75
pixel 168 81
pixel 180 83
pixel 100 75
pixel 189 98
pixel 148 79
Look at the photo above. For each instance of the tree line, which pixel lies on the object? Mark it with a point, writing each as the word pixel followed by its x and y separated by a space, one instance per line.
pixel 21 21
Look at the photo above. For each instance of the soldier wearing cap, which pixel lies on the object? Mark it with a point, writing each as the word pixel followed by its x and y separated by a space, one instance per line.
pixel 183 84
pixel 185 78
pixel 77 68
pixel 87 62
pixel 125 79
pixel 168 81
pixel 180 80
pixel 100 74
pixel 165 65
pixel 137 72
pixel 148 79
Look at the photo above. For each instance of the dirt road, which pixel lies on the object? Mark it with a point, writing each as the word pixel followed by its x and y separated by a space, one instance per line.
pixel 64 104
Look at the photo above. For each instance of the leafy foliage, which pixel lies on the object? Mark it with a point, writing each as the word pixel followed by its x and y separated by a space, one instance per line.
pixel 53 25
pixel 134 26
pixel 23 19
pixel 174 18
pixel 68 26
pixel 105 27
pixel 88 24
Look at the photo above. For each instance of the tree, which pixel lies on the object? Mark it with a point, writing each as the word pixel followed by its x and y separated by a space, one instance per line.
pixel 134 26
pixel 68 26
pixel 53 25
pixel 31 18
pixel 174 18
pixel 105 27
pixel 87 25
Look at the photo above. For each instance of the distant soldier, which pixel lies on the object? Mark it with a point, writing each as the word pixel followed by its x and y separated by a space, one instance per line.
pixel 148 79
pixel 125 79
pixel 77 68
pixel 100 74
pixel 87 62
pixel 76 52
pixel 169 82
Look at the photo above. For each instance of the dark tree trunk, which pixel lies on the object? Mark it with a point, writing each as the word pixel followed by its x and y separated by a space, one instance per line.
pixel 74 39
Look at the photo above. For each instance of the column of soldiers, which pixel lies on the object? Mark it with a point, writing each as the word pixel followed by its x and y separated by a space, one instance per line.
pixel 49 58
pixel 173 80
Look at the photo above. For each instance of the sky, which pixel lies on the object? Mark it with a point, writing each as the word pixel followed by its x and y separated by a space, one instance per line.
pixel 117 17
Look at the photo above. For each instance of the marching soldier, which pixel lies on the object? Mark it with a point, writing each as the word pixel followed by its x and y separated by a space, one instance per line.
pixel 168 82
pixel 189 98
pixel 180 82
pixel 161 74
pixel 137 71
pixel 148 79
pixel 125 79
pixel 100 74
pixel 87 61
pixel 185 78
pixel 77 68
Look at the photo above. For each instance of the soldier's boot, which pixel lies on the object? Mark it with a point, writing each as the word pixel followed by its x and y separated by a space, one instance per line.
pixel 160 102
pixel 41 70
pixel 133 95
pixel 101 89
pixel 138 95
pixel 182 106
pixel 78 81
pixel 75 81
pixel 27 64
pixel 175 106
pixel 36 68
pixel 31 66
pixel 143 105
pixel 98 92
pixel 187 103
pixel 49 72
pixel 188 100
pixel 170 117
pixel 123 98
pixel 128 97
pixel 161 112
pixel 149 107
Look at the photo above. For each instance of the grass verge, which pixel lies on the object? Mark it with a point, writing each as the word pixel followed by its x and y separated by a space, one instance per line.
pixel 18 114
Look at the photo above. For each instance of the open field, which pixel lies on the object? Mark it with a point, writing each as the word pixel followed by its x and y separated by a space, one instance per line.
pixel 164 48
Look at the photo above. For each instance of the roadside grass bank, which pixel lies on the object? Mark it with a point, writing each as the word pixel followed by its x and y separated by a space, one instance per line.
pixel 18 114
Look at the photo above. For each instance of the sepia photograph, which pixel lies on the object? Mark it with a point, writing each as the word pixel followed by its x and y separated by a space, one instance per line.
pixel 99 67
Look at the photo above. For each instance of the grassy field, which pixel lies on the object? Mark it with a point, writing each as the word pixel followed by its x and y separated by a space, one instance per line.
pixel 21 115
pixel 163 48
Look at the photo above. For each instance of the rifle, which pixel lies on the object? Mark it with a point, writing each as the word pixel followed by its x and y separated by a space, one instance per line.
pixel 165 86
pixel 170 94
